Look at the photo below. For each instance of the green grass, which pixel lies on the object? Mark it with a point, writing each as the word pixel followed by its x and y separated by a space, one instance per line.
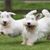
pixel 21 5
pixel 18 16
pixel 9 43
pixel 2 4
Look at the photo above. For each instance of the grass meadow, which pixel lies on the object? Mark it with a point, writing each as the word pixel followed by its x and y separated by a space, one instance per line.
pixel 14 43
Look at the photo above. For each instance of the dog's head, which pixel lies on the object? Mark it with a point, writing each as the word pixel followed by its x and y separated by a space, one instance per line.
pixel 31 20
pixel 6 17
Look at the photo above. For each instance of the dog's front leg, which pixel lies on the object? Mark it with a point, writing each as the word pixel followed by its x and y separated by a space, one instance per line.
pixel 23 39
pixel 23 42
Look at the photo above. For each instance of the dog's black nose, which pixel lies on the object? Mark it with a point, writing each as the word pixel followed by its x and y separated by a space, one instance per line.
pixel 28 23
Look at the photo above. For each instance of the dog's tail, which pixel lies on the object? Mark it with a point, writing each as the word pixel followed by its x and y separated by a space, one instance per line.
pixel 45 12
pixel 32 12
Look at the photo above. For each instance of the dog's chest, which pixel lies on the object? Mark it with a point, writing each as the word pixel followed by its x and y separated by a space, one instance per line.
pixel 7 30
pixel 29 34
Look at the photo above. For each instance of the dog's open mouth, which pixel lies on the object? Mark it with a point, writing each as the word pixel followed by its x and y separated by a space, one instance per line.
pixel 30 27
pixel 5 24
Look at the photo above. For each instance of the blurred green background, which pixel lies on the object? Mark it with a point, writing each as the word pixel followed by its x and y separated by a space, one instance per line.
pixel 17 4
pixel 21 8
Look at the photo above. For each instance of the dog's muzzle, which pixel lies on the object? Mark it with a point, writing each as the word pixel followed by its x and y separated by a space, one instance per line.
pixel 30 26
pixel 4 23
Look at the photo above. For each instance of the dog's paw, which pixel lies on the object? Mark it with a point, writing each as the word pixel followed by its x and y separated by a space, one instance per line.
pixel 29 44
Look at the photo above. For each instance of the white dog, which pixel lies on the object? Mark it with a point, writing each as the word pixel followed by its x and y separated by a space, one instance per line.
pixel 30 24
pixel 9 26
pixel 44 24
pixel 36 29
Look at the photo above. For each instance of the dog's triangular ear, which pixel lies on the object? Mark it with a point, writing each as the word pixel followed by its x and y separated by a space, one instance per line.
pixel 39 16
pixel 11 13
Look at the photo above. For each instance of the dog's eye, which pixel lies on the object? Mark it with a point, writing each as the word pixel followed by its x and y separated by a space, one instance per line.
pixel 32 18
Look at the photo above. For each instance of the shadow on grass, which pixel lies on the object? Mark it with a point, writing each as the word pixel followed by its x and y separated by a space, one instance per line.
pixel 43 42
pixel 19 42
pixel 11 43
